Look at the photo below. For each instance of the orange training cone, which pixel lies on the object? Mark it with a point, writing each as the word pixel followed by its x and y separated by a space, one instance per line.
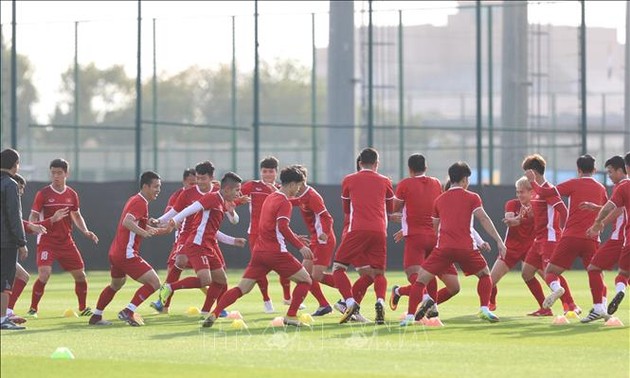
pixel 613 322
pixel 560 320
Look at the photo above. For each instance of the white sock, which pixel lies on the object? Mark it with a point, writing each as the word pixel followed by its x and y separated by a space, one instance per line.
pixel 620 287
pixel 396 291
pixel 605 301
pixel 131 307
pixel 98 312
pixel 350 301
pixel 599 308
pixel 380 300
pixel 9 312
pixel 484 308
pixel 555 285
pixel 425 297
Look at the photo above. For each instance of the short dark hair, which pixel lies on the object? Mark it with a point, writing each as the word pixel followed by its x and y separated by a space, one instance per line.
pixel 269 162
pixel 358 163
pixel 59 163
pixel 586 163
pixel 19 179
pixel 447 185
pixel 302 169
pixel 627 159
pixel 616 162
pixel 146 178
pixel 417 163
pixel 230 178
pixel 535 162
pixel 368 156
pixel 188 172
pixel 9 158
pixel 458 171
pixel 291 174
pixel 205 168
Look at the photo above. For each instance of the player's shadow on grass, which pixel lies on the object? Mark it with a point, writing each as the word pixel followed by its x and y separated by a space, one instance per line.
pixel 549 329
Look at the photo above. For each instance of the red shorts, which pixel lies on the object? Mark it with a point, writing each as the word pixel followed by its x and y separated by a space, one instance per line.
pixel 417 248
pixel 363 248
pixel 569 248
pixel 323 253
pixel 177 248
pixel 252 242
pixel 608 255
pixel 624 259
pixel 201 258
pixel 262 262
pixel 512 257
pixel 68 256
pixel 470 260
pixel 539 254
pixel 133 267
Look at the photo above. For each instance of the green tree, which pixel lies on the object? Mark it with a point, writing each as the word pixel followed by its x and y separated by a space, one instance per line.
pixel 26 96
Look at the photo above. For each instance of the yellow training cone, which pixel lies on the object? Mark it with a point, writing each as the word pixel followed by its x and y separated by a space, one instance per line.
pixel 571 315
pixel 193 311
pixel 306 319
pixel 69 313
pixel 239 324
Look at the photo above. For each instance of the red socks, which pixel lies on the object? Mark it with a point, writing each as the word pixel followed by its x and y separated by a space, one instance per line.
pixel 80 289
pixel 286 288
pixel 443 295
pixel 299 293
pixel 380 286
pixel 214 291
pixel 38 292
pixel 142 294
pixel 263 285
pixel 316 290
pixel 536 289
pixel 360 287
pixel 596 283
pixel 186 283
pixel 106 296
pixel 484 289
pixel 227 299
pixel 342 283
pixel 328 280
pixel 18 287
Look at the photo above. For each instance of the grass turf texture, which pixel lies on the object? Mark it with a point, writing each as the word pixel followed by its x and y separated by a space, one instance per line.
pixel 175 344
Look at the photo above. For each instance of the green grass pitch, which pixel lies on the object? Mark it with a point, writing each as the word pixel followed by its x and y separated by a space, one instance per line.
pixel 176 346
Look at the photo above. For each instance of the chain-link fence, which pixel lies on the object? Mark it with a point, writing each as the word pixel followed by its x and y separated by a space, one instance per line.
pixel 415 75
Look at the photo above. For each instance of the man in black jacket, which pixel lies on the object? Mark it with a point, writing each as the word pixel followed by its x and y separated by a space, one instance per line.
pixel 12 231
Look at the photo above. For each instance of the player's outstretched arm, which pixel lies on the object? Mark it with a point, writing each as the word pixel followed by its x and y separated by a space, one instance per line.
pixel 78 221
pixel 230 240
pixel 488 226
pixel 598 224
pixel 131 224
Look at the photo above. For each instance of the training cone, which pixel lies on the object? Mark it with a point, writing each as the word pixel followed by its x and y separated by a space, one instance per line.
pixel 69 313
pixel 424 321
pixel 613 322
pixel 193 311
pixel 62 353
pixel 560 320
pixel 278 321
pixel 235 315
pixel 306 319
pixel 434 322
pixel 239 324
pixel 571 315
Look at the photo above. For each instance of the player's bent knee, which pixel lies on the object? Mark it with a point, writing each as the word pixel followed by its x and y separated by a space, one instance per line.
pixel 339 266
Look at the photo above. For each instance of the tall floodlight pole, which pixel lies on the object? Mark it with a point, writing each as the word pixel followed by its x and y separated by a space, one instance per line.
pixel 139 95
pixel 583 76
pixel 256 90
pixel 13 79
pixel 478 81
pixel 370 115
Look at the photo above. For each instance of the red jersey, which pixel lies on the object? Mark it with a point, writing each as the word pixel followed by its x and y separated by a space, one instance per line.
pixel 621 223
pixel 521 237
pixel 185 199
pixel 173 198
pixel 419 193
pixel 546 222
pixel 274 230
pixel 126 243
pixel 47 202
pixel 454 208
pixel 314 212
pixel 578 190
pixel 205 224
pixel 257 191
pixel 367 198
pixel 621 198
